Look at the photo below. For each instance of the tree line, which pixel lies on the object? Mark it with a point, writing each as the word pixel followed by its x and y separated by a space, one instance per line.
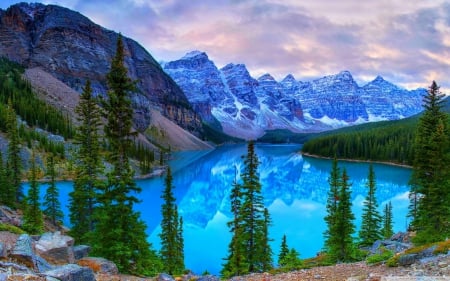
pixel 18 93
pixel 392 142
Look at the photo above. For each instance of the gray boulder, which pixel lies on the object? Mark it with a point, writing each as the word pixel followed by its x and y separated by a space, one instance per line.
pixel 80 251
pixel 208 278
pixel 71 272
pixel 165 277
pixel 408 259
pixel 55 248
pixel 23 251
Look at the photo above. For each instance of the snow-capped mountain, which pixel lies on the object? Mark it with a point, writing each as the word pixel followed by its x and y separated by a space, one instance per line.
pixel 233 101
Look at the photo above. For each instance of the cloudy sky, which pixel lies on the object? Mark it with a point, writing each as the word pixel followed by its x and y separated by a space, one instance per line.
pixel 405 41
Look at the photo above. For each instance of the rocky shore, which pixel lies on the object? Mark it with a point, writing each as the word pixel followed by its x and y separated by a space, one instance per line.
pixel 54 256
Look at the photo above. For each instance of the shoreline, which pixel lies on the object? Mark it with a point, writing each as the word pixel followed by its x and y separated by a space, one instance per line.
pixel 356 161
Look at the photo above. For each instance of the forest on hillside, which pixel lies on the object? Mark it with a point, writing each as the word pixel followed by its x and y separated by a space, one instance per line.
pixel 387 141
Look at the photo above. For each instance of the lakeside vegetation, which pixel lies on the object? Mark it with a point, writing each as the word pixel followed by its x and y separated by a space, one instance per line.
pixel 386 141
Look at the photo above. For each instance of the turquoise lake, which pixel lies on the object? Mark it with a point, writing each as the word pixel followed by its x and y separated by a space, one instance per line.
pixel 294 189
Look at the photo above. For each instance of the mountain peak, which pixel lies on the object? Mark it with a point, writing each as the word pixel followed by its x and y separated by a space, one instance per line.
pixel 345 74
pixel 194 54
pixel 288 78
pixel 266 77
pixel 378 79
pixel 381 82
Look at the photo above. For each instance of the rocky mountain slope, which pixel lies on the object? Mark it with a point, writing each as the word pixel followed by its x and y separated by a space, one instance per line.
pixel 233 101
pixel 73 49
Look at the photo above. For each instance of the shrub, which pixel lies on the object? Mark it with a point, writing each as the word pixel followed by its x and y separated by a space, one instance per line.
pixel 383 256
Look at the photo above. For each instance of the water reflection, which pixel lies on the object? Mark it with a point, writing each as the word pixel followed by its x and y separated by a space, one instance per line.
pixel 294 190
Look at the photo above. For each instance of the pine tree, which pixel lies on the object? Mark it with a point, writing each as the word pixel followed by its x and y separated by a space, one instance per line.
pixel 14 164
pixel 332 203
pixel 345 228
pixel 430 184
pixel 387 231
pixel 252 209
pixel 341 247
pixel 371 218
pixel 180 244
pixel 88 167
pixel 119 233
pixel 33 221
pixel 236 264
pixel 249 246
pixel 171 238
pixel 3 183
pixel 292 260
pixel 52 207
pixel 265 252
pixel 284 251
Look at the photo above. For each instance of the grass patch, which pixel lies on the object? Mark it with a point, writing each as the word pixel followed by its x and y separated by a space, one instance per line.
pixel 11 228
pixel 383 256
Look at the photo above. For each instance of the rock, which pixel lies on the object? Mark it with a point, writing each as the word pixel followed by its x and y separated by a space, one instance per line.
pixel 2 250
pixel 23 251
pixel 442 264
pixel 99 265
pixel 8 239
pixel 408 259
pixel 208 278
pixel 80 251
pixel 165 277
pixel 428 252
pixel 42 265
pixel 23 277
pixel 55 248
pixel 71 272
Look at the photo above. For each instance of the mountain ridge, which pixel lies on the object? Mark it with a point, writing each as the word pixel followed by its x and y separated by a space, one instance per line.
pixel 247 107
pixel 74 49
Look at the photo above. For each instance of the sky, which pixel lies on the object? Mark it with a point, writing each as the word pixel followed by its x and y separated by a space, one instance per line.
pixel 405 41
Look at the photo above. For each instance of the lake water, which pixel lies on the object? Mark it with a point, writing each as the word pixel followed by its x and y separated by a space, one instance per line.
pixel 294 190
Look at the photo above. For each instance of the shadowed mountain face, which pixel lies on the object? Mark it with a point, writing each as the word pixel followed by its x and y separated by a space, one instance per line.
pixel 74 49
pixel 246 107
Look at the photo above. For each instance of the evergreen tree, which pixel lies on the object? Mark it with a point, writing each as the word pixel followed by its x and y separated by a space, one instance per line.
pixel 430 184
pixel 341 243
pixel 387 231
pixel 265 251
pixel 252 209
pixel 292 260
pixel 3 183
pixel 180 244
pixel 171 238
pixel 343 250
pixel 249 244
pixel 332 203
pixel 33 221
pixel 284 251
pixel 52 207
pixel 14 164
pixel 88 167
pixel 371 218
pixel 236 264
pixel 119 233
